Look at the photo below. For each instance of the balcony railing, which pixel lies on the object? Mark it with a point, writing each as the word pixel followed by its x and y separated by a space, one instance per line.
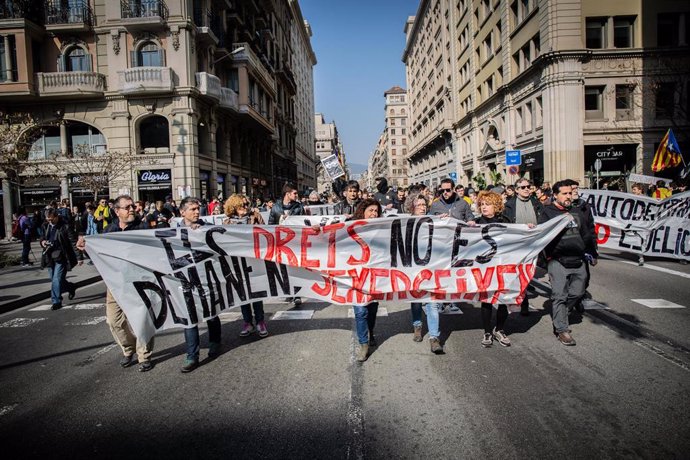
pixel 248 55
pixel 143 80
pixel 21 9
pixel 208 85
pixel 77 13
pixel 228 99
pixel 72 83
pixel 143 9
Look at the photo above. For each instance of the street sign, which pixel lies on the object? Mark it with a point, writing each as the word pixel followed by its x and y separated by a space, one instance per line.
pixel 513 158
pixel 453 176
pixel 597 165
pixel 513 170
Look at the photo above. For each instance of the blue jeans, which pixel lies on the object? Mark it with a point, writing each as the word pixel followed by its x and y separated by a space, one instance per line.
pixel 365 320
pixel 432 319
pixel 58 275
pixel 258 311
pixel 26 248
pixel 191 337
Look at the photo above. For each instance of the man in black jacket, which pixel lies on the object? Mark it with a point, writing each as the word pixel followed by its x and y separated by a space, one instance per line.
pixel 349 204
pixel 523 208
pixel 58 256
pixel 383 194
pixel 288 206
pixel 122 332
pixel 566 256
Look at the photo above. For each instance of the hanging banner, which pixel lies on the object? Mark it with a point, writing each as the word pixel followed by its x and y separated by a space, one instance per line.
pixel 320 210
pixel 642 225
pixel 178 277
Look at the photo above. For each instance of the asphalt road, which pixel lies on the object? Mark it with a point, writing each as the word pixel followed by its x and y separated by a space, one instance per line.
pixel 623 391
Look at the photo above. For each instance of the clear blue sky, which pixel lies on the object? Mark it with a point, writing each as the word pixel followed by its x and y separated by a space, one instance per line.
pixel 358 46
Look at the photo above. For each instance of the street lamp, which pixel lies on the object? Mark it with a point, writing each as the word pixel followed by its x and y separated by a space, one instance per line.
pixel 231 53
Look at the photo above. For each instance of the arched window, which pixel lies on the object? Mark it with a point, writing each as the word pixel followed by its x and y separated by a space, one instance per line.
pixel 402 111
pixel 77 60
pixel 148 54
pixel 392 112
pixel 79 137
pixel 154 133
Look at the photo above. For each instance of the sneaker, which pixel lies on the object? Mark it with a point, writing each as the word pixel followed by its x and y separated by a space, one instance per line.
pixel 362 352
pixel 566 339
pixel 247 329
pixel 488 340
pixel 261 327
pixel 189 365
pixel 145 366
pixel 127 361
pixel 372 340
pixel 297 301
pixel 56 306
pixel 214 350
pixel 435 344
pixel 501 338
pixel 417 337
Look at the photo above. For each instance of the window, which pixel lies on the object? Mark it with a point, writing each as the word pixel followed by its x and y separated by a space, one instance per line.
pixel 594 102
pixel 667 29
pixel 153 133
pixel 538 113
pixel 393 131
pixel 392 141
pixel 234 81
pixel 623 32
pixel 528 117
pixel 393 152
pixel 624 107
pixel 518 121
pixel 595 33
pixel 8 49
pixel 148 55
pixel 404 141
pixel 79 137
pixel 77 60
pixel 665 100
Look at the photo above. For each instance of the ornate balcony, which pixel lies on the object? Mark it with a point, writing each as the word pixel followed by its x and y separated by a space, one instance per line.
pixel 70 84
pixel 146 80
pixel 143 14
pixel 228 99
pixel 247 55
pixel 208 85
pixel 73 17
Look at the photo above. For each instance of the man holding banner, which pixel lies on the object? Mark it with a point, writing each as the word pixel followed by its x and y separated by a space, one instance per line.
pixel 566 258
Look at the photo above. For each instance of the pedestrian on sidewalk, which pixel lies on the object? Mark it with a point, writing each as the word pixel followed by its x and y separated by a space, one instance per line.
pixel 417 205
pixel 491 206
pixel 365 314
pixel 190 212
pixel 58 256
pixel 115 317
pixel 237 211
pixel 25 229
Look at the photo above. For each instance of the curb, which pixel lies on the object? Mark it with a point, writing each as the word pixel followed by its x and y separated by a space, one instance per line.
pixel 23 301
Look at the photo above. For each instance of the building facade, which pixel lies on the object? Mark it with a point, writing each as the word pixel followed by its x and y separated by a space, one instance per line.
pixel 565 82
pixel 204 92
pixel 396 144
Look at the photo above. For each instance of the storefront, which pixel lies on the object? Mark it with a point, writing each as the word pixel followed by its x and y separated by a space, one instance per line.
pixel 37 192
pixel 154 184
pixel 616 160
pixel 81 189
pixel 532 167
pixel 204 184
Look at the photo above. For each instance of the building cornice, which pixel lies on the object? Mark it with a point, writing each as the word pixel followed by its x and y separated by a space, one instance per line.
pixel 423 4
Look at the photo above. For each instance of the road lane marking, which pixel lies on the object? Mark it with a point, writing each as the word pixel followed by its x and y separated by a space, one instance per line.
pixel 355 410
pixel 646 265
pixel 230 316
pixel 4 410
pixel 382 311
pixel 100 352
pixel 21 322
pixel 50 307
pixel 657 303
pixel 89 306
pixel 87 321
pixel 293 314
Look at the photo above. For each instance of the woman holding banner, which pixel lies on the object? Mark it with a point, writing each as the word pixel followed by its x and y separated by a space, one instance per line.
pixel 490 205
pixel 237 212
pixel 365 315
pixel 417 205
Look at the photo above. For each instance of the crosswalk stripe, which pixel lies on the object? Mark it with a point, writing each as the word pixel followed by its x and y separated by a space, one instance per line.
pixel 21 322
pixel 657 303
pixel 89 306
pixel 50 307
pixel 293 314
pixel 230 316
pixel 87 321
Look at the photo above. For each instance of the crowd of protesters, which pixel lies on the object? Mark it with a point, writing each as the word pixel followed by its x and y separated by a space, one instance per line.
pixel 61 228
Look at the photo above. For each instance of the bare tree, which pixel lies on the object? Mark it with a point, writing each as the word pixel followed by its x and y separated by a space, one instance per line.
pixel 18 131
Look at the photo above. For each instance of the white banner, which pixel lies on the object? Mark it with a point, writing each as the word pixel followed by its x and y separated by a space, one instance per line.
pixel 320 210
pixel 642 179
pixel 177 277
pixel 642 225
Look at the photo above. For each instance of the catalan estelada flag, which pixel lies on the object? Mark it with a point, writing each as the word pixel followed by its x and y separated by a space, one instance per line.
pixel 668 153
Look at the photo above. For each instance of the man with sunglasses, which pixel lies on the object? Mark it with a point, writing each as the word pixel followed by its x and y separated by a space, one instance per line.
pixel 523 208
pixel 450 204
pixel 127 220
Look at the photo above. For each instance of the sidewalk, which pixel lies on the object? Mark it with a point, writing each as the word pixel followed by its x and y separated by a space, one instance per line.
pixel 23 286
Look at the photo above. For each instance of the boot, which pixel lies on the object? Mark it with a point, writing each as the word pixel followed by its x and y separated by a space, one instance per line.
pixel 363 352
pixel 417 337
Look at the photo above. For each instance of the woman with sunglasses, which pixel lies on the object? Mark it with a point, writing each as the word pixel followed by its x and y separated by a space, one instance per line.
pixel 417 205
pixel 237 212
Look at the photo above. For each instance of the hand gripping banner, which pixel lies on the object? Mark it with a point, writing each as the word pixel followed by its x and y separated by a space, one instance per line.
pixel 178 277
pixel 642 225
